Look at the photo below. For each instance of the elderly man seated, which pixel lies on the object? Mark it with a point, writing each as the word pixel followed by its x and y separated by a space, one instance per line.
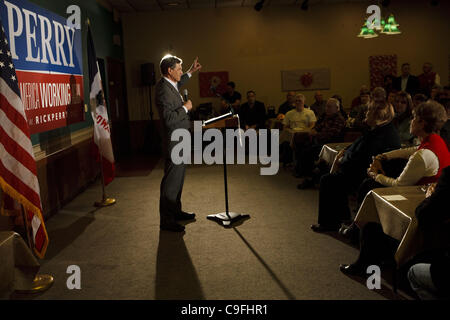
pixel 328 129
pixel 357 114
pixel 299 119
pixel 319 105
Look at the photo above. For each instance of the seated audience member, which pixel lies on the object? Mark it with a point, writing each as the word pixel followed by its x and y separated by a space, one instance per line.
pixel 253 113
pixel 428 79
pixel 298 119
pixel 357 101
pixel 435 91
pixel 445 130
pixel 357 114
pixel 392 96
pixel 431 279
pixel 388 83
pixel 319 105
pixel 424 163
pixel 232 97
pixel 328 129
pixel 403 116
pixel 377 247
pixel 289 104
pixel 447 91
pixel 353 162
pixel 341 106
pixel 406 82
pixel 418 99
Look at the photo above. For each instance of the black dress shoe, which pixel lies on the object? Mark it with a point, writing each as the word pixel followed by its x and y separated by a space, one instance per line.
pixel 184 216
pixel 350 232
pixel 352 269
pixel 172 226
pixel 323 228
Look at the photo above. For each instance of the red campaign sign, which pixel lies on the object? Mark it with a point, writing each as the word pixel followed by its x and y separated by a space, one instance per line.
pixel 51 100
pixel 212 84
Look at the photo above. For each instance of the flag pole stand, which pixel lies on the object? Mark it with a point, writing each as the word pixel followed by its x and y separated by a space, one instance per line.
pixel 41 282
pixel 105 202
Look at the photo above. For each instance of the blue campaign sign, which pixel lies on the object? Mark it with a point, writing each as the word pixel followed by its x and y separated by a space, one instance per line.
pixel 40 40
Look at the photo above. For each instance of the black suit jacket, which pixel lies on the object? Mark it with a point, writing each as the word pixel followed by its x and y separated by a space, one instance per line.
pixel 253 116
pixel 358 156
pixel 170 107
pixel 412 85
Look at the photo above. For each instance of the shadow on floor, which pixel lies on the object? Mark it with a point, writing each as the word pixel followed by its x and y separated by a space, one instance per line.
pixel 286 291
pixel 176 278
pixel 61 238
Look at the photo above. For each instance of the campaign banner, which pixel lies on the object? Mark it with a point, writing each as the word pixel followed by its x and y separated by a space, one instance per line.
pixel 47 55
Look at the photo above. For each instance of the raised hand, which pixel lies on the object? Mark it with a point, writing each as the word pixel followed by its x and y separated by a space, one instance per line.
pixel 195 66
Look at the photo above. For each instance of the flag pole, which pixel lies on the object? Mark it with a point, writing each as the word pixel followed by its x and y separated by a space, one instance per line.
pixel 105 200
pixel 41 282
pixel 27 230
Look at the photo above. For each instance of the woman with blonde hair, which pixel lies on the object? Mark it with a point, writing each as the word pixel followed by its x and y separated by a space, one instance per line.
pixel 403 106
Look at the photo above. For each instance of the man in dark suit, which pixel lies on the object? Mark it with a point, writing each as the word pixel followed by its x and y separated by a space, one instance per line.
pixel 406 82
pixel 174 114
pixel 253 112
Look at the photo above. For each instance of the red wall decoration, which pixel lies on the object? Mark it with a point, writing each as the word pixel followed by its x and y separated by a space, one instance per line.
pixel 212 84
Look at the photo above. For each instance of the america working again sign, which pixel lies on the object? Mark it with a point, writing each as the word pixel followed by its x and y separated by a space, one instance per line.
pixel 48 60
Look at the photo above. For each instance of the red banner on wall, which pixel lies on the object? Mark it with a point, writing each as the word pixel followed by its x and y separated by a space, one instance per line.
pixel 212 84
pixel 51 100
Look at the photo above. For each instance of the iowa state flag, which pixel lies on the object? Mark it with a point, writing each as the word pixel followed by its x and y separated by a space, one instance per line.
pixel 102 134
pixel 18 174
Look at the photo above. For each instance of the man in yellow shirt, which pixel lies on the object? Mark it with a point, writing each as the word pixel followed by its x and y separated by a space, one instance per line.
pixel 300 118
pixel 296 120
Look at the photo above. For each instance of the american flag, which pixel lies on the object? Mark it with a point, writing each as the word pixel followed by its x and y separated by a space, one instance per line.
pixel 18 176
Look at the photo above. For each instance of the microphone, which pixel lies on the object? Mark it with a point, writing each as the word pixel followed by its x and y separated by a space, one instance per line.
pixel 185 95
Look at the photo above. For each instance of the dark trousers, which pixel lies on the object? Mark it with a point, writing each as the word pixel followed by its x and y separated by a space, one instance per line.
pixel 366 186
pixel 306 154
pixel 333 197
pixel 286 153
pixel 170 191
pixel 375 245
